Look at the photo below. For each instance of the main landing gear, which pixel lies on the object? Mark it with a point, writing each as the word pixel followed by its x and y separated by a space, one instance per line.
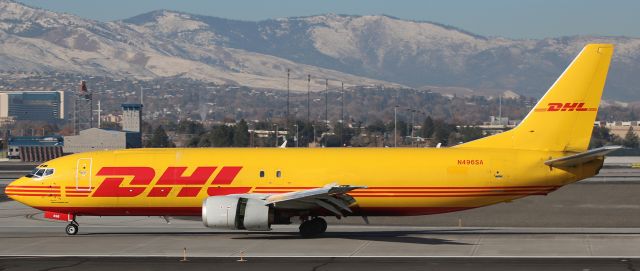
pixel 72 228
pixel 313 227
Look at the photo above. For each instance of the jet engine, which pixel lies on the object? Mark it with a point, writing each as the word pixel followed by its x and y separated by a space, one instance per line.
pixel 236 213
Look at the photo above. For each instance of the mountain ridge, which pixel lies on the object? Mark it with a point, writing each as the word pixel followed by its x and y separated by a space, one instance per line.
pixel 360 50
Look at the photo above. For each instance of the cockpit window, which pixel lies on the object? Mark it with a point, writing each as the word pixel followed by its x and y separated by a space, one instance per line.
pixel 40 172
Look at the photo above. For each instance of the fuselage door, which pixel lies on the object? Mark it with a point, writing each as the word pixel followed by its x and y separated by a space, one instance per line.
pixel 83 174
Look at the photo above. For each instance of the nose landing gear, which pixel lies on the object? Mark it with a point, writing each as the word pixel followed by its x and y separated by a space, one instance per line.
pixel 313 227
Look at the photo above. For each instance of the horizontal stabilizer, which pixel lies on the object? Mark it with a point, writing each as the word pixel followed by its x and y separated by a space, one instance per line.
pixel 581 158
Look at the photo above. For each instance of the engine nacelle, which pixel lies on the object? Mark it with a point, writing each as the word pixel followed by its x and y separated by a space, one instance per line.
pixel 237 213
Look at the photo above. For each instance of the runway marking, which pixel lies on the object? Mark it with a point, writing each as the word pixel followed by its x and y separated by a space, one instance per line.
pixel 587 241
pixel 244 250
pixel 359 248
pixel 476 246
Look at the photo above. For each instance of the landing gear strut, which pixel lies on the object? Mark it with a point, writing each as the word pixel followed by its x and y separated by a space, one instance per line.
pixel 72 228
pixel 313 227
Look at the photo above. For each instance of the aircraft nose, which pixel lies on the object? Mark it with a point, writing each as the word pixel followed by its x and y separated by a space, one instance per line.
pixel 8 189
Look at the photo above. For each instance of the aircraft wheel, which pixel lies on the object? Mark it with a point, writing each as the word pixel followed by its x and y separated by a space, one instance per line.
pixel 71 229
pixel 313 227
pixel 323 224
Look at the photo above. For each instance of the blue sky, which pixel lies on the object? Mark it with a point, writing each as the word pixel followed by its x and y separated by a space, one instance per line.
pixel 506 18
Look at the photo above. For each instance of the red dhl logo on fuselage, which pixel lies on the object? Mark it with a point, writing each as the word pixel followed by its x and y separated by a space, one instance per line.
pixel 172 178
pixel 554 107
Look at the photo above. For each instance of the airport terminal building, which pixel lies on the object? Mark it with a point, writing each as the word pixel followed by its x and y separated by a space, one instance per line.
pixel 94 139
pixel 32 105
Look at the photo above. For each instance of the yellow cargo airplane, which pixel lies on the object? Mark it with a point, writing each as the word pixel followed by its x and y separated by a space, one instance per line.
pixel 252 189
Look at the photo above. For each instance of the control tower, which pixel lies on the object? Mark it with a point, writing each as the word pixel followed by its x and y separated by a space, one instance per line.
pixel 132 118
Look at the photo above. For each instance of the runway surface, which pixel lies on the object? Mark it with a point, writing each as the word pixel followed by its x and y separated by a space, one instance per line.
pixel 352 263
pixel 31 235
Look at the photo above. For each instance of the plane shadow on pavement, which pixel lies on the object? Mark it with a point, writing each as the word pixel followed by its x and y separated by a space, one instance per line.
pixel 379 236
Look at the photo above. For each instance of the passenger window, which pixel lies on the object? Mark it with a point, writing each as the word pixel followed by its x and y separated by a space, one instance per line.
pixel 278 174
pixel 261 173
pixel 48 172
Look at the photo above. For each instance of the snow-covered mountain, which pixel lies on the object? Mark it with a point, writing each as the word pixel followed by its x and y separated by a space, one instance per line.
pixel 359 50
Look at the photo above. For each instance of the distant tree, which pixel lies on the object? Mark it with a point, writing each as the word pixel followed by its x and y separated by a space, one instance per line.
pixel 630 139
pixel 330 141
pixel 159 139
pixel 376 127
pixel 442 131
pixel 193 142
pixel 222 136
pixel 241 134
pixel 600 136
pixel 468 133
pixel 190 127
pixel 169 125
pixel 401 128
pixel 203 141
pixel 306 133
pixel 343 133
pixel 146 128
pixel 427 128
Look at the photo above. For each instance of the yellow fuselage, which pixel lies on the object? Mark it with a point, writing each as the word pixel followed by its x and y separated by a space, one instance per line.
pixel 399 181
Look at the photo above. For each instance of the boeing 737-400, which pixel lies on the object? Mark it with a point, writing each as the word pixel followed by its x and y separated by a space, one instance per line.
pixel 255 188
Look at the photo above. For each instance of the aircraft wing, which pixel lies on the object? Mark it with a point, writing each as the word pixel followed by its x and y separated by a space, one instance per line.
pixel 581 158
pixel 332 197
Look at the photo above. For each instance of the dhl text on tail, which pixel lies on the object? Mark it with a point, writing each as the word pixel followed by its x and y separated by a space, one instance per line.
pixel 252 189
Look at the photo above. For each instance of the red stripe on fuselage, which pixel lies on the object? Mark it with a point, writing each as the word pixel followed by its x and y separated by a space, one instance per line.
pixel 32 195
pixel 462 187
pixel 419 187
pixel 197 211
pixel 31 190
pixel 445 196
pixel 221 191
pixel 33 186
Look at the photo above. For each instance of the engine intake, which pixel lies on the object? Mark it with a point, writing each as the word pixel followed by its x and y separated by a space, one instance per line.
pixel 236 213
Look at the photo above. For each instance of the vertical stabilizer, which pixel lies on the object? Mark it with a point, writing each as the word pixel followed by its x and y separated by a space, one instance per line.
pixel 563 119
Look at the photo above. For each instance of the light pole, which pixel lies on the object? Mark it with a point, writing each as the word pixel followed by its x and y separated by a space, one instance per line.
pixel 342 115
pixel 409 125
pixel 276 133
pixel 413 111
pixel 99 111
pixel 314 134
pixel 395 126
pixel 326 102
pixel 297 139
pixel 309 98
pixel 253 130
pixel 288 94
